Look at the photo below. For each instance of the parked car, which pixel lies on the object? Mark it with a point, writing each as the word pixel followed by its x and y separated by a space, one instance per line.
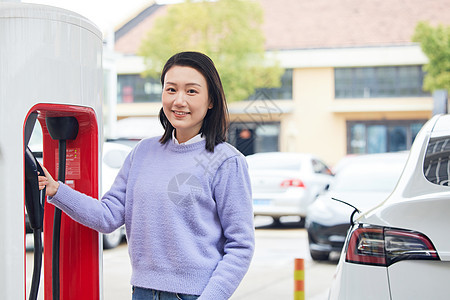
pixel 363 182
pixel 114 155
pixel 401 248
pixel 285 184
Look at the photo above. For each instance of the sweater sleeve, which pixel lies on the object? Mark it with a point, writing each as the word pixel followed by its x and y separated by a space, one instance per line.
pixel 105 215
pixel 232 192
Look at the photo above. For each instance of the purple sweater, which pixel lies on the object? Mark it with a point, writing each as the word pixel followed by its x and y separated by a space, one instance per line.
pixel 187 212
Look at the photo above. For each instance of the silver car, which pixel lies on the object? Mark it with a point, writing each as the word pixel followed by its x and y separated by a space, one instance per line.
pixel 285 183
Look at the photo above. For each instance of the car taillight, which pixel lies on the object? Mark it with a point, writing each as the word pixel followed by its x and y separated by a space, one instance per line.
pixel 366 246
pixel 402 244
pixel 292 183
pixel 382 246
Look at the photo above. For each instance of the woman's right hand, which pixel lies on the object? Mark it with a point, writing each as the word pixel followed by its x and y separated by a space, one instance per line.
pixel 48 182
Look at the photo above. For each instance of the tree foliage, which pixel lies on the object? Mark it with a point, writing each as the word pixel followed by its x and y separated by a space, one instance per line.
pixel 228 31
pixel 435 43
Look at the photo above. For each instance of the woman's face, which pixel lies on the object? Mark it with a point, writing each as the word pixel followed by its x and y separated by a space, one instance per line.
pixel 185 101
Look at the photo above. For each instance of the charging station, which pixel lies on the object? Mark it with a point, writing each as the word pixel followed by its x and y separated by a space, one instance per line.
pixel 50 76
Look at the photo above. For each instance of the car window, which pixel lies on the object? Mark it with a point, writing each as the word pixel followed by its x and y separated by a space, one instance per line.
pixel 320 168
pixel 436 166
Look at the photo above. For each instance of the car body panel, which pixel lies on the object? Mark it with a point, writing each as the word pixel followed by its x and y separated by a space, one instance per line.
pixel 284 202
pixel 419 279
pixel 355 282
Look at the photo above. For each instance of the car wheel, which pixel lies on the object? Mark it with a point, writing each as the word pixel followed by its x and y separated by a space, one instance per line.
pixel 319 255
pixel 113 239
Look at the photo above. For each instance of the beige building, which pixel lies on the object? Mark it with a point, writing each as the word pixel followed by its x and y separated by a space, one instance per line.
pixel 353 80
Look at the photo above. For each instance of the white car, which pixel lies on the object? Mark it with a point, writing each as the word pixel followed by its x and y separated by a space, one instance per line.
pixel 285 183
pixel 114 155
pixel 401 248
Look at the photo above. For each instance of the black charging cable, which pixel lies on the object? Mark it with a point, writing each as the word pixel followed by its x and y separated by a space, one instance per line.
pixel 37 264
pixel 34 202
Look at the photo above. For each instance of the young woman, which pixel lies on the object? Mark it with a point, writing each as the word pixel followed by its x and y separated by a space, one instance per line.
pixel 185 197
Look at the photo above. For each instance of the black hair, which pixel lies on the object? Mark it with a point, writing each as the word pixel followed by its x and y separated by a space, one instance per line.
pixel 215 123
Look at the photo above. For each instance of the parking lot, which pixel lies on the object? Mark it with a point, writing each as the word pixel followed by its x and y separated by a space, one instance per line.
pixel 270 275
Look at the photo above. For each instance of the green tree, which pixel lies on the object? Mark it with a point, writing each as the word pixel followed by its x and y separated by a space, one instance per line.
pixel 435 43
pixel 228 31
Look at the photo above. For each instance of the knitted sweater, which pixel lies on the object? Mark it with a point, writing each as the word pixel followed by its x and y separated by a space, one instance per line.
pixel 187 212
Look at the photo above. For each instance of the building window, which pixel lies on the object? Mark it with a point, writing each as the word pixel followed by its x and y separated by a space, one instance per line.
pixel 284 92
pixel 134 88
pixel 250 138
pixel 379 82
pixel 379 136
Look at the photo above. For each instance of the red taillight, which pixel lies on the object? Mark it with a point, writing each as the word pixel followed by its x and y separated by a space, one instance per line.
pixel 366 246
pixel 292 183
pixel 384 246
pixel 402 244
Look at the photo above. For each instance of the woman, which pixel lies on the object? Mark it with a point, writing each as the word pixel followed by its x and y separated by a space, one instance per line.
pixel 185 198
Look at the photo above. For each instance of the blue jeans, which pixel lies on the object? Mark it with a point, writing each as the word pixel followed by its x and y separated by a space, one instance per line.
pixel 148 294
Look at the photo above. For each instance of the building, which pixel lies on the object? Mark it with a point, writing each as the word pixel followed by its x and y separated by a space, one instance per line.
pixel 353 80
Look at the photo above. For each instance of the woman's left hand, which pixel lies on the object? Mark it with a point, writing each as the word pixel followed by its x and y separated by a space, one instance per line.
pixel 48 182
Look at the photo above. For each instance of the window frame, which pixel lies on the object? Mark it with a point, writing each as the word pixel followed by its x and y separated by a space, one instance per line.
pixel 138 88
pixel 410 135
pixel 285 90
pixel 379 82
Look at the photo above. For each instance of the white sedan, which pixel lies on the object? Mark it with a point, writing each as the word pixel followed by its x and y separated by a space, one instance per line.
pixel 401 248
pixel 286 183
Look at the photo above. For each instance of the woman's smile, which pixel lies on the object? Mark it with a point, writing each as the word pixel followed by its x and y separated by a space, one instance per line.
pixel 180 113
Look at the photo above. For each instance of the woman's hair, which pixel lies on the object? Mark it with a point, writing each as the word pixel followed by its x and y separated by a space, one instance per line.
pixel 215 123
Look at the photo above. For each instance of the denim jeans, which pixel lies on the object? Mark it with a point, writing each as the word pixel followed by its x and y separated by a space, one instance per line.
pixel 148 294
